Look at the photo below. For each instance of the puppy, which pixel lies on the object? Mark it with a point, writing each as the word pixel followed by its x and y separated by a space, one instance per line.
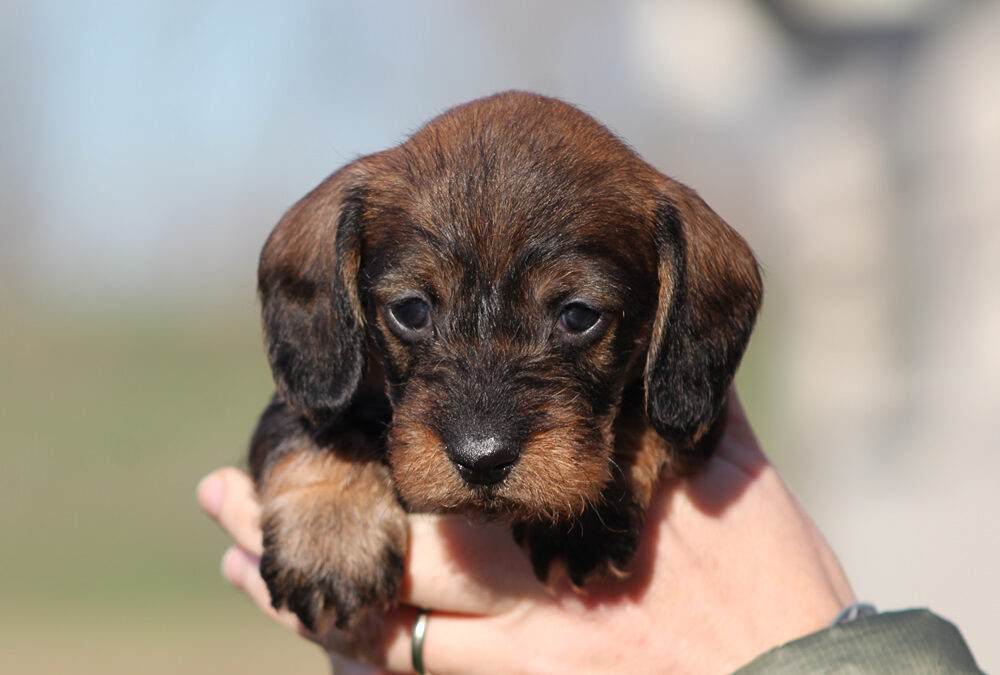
pixel 511 316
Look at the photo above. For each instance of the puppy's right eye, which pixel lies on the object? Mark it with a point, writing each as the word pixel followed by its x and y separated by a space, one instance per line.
pixel 410 318
pixel 578 318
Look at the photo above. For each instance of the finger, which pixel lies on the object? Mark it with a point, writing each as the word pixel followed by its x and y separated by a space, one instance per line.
pixel 380 639
pixel 397 650
pixel 228 496
pixel 456 569
pixel 453 644
pixel 393 644
pixel 242 569
pixel 342 666
pixel 468 568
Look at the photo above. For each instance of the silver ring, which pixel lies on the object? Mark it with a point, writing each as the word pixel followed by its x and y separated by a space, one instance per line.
pixel 419 631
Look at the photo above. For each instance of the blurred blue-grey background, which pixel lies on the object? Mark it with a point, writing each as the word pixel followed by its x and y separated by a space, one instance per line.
pixel 147 148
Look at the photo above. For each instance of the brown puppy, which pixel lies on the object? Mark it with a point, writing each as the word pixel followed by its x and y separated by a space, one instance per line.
pixel 511 315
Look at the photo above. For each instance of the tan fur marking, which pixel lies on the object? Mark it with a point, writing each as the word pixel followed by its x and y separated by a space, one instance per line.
pixel 498 213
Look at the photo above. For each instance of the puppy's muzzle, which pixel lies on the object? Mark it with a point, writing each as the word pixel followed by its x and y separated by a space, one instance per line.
pixel 482 459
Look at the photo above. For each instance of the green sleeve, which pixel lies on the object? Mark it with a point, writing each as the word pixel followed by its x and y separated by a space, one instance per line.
pixel 913 641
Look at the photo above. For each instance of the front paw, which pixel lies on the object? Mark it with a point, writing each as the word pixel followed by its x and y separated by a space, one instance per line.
pixel 602 541
pixel 322 556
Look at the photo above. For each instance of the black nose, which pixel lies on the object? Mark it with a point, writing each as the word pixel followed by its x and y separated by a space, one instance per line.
pixel 483 460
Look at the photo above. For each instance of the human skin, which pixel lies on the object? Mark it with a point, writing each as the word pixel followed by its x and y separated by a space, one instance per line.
pixel 730 565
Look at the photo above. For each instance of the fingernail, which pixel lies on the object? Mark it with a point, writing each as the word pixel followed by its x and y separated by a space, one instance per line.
pixel 211 491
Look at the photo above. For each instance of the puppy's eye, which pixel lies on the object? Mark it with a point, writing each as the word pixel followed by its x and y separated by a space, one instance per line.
pixel 411 316
pixel 577 318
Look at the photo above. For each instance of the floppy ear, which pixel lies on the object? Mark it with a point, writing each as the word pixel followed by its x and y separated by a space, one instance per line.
pixel 710 291
pixel 307 280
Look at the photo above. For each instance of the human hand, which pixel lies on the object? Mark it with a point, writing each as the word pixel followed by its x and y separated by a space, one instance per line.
pixel 729 566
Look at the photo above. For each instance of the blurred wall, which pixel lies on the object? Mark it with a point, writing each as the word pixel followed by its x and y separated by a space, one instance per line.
pixel 147 148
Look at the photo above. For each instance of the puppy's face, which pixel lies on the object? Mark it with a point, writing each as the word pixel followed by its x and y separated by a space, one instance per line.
pixel 525 281
pixel 507 326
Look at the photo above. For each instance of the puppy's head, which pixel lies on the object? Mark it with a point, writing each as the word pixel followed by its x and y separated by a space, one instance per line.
pixel 523 279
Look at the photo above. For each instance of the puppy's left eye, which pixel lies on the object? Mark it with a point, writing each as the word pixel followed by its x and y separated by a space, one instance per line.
pixel 577 318
pixel 409 318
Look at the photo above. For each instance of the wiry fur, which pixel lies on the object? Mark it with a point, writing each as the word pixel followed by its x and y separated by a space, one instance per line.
pixel 498 214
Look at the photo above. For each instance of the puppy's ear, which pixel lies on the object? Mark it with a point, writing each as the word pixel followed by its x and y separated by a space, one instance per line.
pixel 307 280
pixel 710 291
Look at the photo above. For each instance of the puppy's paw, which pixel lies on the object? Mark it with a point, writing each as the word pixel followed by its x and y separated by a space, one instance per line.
pixel 323 557
pixel 602 541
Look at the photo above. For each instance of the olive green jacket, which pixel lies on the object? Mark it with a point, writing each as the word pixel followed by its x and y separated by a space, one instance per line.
pixel 913 641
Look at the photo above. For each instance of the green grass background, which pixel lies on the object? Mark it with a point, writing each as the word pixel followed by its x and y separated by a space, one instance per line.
pixel 107 421
pixel 108 418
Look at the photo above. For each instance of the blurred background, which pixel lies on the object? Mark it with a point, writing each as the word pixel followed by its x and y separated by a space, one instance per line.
pixel 147 148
